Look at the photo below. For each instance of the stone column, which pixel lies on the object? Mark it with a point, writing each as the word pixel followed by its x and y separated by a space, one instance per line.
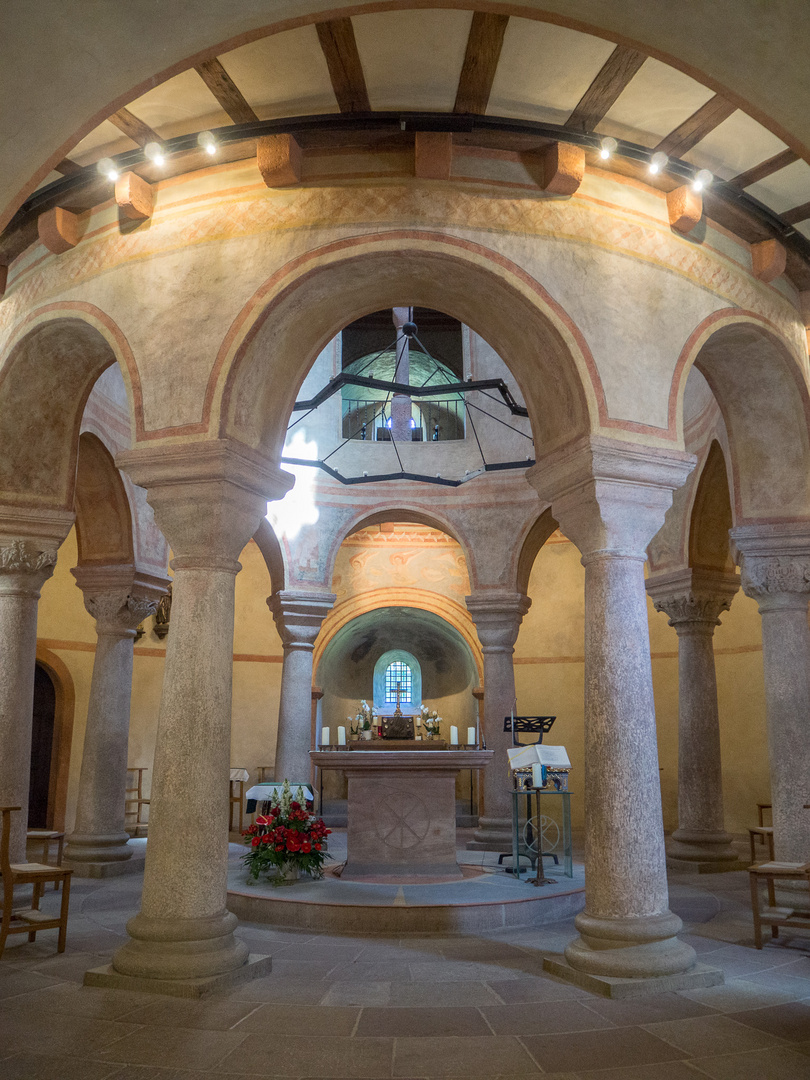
pixel 208 499
pixel 610 499
pixel 497 616
pixel 693 600
pixel 775 571
pixel 299 616
pixel 98 846
pixel 25 566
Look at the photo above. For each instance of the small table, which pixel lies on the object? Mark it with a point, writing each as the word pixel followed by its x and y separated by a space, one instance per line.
pixel 772 915
pixel 526 849
pixel 762 834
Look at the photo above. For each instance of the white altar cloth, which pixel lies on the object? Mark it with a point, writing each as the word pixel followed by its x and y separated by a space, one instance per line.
pixel 264 792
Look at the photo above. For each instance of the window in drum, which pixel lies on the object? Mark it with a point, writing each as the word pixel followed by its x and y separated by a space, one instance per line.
pixel 398 672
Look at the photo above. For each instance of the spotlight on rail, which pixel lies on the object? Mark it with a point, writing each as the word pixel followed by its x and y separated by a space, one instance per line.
pixel 155 152
pixel 702 180
pixel 608 146
pixel 658 162
pixel 207 142
pixel 107 168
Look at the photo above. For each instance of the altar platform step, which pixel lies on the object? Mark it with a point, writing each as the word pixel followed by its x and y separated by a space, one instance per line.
pixel 487 898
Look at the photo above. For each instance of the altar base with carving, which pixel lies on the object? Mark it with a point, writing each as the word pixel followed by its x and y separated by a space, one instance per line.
pixel 402 812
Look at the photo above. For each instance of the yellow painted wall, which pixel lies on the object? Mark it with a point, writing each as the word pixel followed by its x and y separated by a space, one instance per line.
pixel 549 678
pixel 549 673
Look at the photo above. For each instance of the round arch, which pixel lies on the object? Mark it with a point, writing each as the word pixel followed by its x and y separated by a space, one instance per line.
pixel 451 612
pixel 543 527
pixel 55 356
pixel 103 514
pixel 281 330
pixel 763 396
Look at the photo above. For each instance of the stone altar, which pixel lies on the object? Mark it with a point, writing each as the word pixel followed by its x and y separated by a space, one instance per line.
pixel 402 811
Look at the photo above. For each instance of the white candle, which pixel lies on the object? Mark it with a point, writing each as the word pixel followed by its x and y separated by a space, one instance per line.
pixel 325 736
pixel 341 736
pixel 419 721
pixel 417 738
pixel 453 735
pixel 471 736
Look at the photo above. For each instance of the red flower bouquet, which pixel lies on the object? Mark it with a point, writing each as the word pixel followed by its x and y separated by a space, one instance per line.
pixel 287 840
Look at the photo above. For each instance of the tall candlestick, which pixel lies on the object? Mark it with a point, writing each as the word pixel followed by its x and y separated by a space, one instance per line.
pixel 341 736
pixel 326 738
pixel 453 735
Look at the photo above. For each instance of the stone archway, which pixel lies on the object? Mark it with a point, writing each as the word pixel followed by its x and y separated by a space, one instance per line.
pixel 278 334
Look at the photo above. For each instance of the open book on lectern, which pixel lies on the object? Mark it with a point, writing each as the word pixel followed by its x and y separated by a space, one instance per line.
pixel 523 757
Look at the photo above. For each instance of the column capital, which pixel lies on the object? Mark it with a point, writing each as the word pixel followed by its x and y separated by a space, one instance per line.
pixel 299 615
pixel 118 597
pixel 497 614
pixel 693 599
pixel 208 497
pixel 24 566
pixel 774 564
pixel 610 497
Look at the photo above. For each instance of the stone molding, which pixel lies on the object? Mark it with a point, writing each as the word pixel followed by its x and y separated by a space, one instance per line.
pixel 610 497
pixel 47 528
pixel 497 616
pixel 693 599
pixel 299 615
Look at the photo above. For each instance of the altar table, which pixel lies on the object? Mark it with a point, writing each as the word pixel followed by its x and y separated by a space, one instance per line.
pixel 401 811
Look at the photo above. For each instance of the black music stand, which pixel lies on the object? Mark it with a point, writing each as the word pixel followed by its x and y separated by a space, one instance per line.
pixel 529 725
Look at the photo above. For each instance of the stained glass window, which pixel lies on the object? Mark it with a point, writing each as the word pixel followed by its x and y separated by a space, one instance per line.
pixel 398 672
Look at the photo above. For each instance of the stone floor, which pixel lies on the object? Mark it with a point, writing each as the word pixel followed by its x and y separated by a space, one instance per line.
pixel 470 1007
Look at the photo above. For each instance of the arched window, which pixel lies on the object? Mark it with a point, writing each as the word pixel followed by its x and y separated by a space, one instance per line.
pixel 397 667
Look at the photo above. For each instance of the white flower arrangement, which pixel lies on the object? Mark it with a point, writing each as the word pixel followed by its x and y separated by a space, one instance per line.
pixel 366 715
pixel 431 720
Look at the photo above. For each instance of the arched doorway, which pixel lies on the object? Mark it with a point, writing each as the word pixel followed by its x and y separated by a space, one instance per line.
pixel 40 809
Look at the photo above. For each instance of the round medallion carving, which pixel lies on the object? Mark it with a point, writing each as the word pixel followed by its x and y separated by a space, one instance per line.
pixel 402 819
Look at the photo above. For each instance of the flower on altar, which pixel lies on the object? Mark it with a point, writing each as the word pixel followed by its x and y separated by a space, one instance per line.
pixel 366 715
pixel 289 834
pixel 431 720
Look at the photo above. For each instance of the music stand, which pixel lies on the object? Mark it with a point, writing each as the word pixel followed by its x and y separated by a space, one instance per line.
pixel 540 726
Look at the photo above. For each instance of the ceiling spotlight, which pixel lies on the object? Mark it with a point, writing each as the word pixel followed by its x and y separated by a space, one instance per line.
pixel 658 162
pixel 702 180
pixel 154 151
pixel 609 146
pixel 107 168
pixel 207 142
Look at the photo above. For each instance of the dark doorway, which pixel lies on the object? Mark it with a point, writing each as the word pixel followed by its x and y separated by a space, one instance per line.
pixel 41 749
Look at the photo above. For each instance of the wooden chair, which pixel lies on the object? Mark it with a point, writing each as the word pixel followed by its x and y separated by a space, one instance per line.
pixel 772 915
pixel 46 837
pixel 29 920
pixel 134 799
pixel 762 834
pixel 238 779
pixel 761 808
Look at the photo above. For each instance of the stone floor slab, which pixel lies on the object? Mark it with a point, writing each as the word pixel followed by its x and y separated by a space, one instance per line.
pixel 777 1063
pixel 462 1057
pixel 173 1048
pixel 600 1050
pixel 704 1035
pixel 699 975
pixel 272 1020
pixel 323 1057
pixel 551 1017
pixel 422 1022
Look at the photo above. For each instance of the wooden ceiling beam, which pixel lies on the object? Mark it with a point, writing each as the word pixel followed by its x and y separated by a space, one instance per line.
pixel 597 101
pixel 67 167
pixel 134 128
pixel 696 127
pixel 484 46
pixel 225 90
pixel 764 169
pixel 798 213
pixel 339 47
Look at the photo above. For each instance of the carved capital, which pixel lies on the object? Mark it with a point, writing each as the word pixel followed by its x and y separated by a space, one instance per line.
pixel 299 615
pixel 776 581
pixel 118 612
pixel 497 616
pixel 692 599
pixel 24 565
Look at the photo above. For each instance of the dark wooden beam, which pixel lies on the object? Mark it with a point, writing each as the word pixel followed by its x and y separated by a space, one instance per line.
pixel 225 90
pixel 480 62
pixel 697 127
pixel 343 60
pixel 765 168
pixel 67 167
pixel 599 98
pixel 798 213
pixel 134 128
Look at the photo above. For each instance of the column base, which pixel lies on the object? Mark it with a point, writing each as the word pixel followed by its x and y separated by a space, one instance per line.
pixel 492 834
pixel 617 988
pixel 641 947
pixel 702 852
pixel 103 869
pixel 97 848
pixel 256 967
pixel 173 949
